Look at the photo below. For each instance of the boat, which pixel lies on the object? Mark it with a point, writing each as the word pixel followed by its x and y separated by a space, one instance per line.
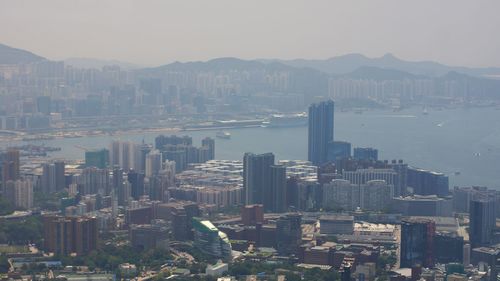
pixel 425 112
pixel 223 135
pixel 286 120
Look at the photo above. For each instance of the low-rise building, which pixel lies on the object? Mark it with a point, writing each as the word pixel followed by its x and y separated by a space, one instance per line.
pixel 217 269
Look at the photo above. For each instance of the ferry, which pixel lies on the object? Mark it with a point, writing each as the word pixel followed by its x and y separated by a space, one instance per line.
pixel 223 135
pixel 286 120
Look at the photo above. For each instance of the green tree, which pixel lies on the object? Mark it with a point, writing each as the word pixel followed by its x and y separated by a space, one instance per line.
pixel 5 207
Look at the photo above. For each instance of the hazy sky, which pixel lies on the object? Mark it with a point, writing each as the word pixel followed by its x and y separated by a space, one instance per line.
pixel 152 32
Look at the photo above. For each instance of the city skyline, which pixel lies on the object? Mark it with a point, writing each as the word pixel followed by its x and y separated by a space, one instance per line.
pixel 242 162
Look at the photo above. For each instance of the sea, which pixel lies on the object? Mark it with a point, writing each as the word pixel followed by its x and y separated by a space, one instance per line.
pixel 462 143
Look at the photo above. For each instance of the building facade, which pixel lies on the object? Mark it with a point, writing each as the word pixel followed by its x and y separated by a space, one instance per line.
pixel 320 131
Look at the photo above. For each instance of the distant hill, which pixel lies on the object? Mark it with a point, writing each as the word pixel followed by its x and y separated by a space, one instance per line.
pixel 219 64
pixel 307 81
pixel 9 55
pixel 351 62
pixel 98 63
pixel 377 73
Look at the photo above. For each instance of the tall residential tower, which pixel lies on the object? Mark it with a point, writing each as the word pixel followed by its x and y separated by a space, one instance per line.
pixel 257 178
pixel 321 117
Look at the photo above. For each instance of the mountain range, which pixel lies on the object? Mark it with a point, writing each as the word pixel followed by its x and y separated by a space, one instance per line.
pixel 99 63
pixel 359 66
pixel 350 62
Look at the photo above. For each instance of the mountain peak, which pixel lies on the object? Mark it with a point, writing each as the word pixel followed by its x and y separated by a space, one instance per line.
pixel 9 55
pixel 389 57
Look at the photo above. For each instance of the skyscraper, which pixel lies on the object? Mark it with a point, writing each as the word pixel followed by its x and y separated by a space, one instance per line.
pixel 210 143
pixel 53 178
pixel 257 178
pixel 482 220
pixel 321 117
pixel 278 187
pixel 97 158
pixel 93 181
pixel 288 233
pixel 417 242
pixel 136 180
pixel 153 163
pixel 48 178
pixel 19 193
pixel 60 172
pixel 10 165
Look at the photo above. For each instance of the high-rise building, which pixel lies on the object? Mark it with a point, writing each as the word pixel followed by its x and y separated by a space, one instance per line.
pixel 210 240
pixel 338 150
pixel 60 173
pixel 181 224
pixel 288 233
pixel 94 181
pixel 19 193
pixel 336 224
pixel 136 181
pixel 482 216
pixel 161 141
pixel 376 195
pixel 425 182
pixel 48 178
pixel 365 153
pixel 148 236
pixel 153 163
pixel 420 205
pixel 210 143
pixel 114 153
pixel 174 153
pixel 252 214
pixel 43 105
pixel 127 155
pixel 118 186
pixel 400 185
pixel 340 195
pixel 53 177
pixel 97 158
pixel 159 184
pixel 278 188
pixel 144 150
pixel 417 242
pixel 257 178
pixel 449 247
pixel 321 123
pixel 66 235
pixel 10 165
pixel 362 176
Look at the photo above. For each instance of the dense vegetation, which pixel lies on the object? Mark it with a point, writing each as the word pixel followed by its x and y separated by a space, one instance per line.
pixel 109 257
pixel 5 207
pixel 29 230
pixel 49 201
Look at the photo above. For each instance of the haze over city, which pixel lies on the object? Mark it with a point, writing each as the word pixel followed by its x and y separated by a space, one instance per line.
pixel 158 32
pixel 249 141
